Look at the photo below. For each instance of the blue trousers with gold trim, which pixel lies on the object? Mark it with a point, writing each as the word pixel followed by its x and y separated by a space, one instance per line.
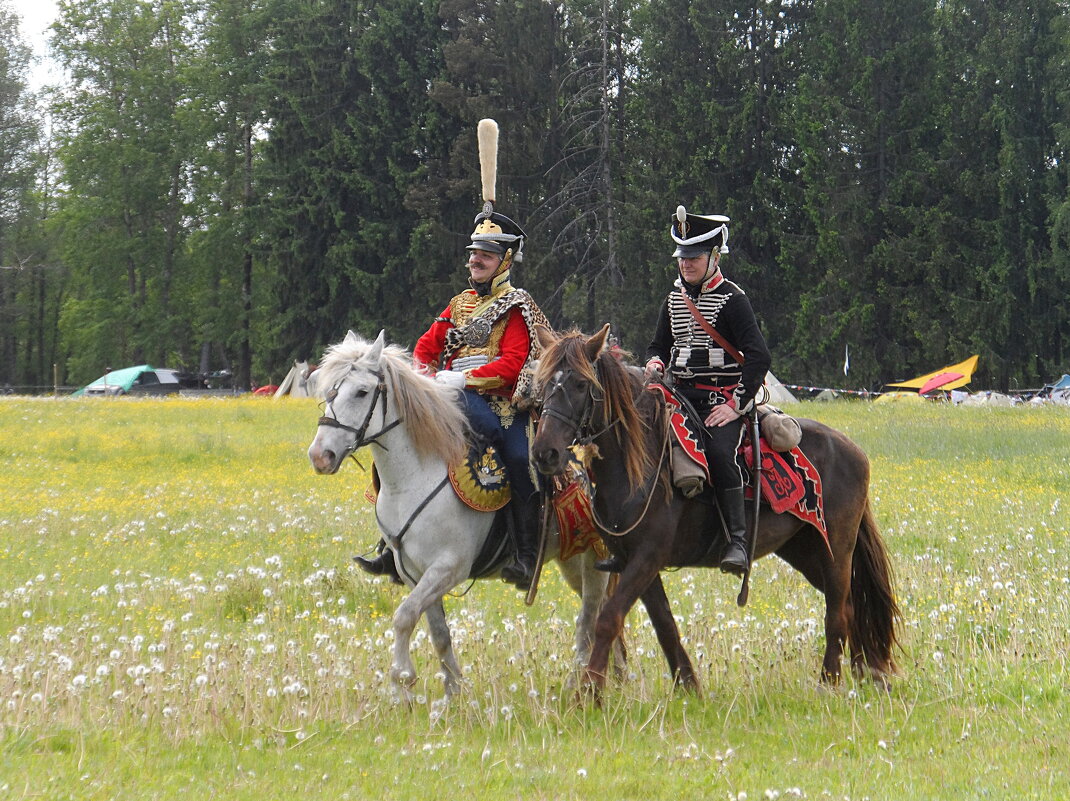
pixel 511 442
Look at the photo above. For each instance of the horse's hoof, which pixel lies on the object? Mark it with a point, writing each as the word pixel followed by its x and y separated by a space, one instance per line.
pixel 453 687
pixel 882 680
pixel 691 687
pixel 588 695
pixel 405 679
pixel 589 688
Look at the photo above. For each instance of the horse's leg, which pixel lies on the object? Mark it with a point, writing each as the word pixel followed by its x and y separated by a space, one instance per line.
pixel 806 553
pixel 610 623
pixel 838 614
pixel 657 606
pixel 574 573
pixel 598 585
pixel 591 585
pixel 432 585
pixel 440 638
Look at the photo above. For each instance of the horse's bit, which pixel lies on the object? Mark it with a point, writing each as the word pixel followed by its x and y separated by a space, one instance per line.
pixel 359 440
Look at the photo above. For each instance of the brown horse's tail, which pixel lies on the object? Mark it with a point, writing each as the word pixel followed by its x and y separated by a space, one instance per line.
pixel 874 624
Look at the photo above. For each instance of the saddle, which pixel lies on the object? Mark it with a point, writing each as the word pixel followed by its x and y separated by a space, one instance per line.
pixel 790 481
pixel 480 483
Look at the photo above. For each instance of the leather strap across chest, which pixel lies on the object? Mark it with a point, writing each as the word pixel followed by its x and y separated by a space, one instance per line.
pixel 709 329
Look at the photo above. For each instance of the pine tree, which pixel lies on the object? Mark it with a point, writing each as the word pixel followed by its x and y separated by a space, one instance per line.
pixel 346 137
pixel 863 119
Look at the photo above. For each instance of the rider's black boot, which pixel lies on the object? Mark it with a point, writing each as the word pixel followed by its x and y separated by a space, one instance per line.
pixel 611 564
pixel 734 559
pixel 526 515
pixel 381 565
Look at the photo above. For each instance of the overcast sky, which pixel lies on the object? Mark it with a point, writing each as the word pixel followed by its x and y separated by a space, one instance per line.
pixel 36 15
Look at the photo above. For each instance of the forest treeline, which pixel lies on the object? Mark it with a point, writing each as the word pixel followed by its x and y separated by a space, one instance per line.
pixel 235 183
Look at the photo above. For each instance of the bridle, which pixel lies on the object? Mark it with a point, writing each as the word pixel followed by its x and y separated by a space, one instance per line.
pixel 580 424
pixel 359 438
pixel 578 421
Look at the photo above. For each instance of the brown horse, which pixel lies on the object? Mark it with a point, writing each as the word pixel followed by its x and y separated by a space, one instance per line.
pixel 589 395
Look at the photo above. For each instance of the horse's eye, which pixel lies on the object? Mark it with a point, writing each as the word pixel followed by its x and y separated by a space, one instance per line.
pixel 360 393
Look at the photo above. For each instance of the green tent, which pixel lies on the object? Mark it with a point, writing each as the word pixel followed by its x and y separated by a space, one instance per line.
pixel 115 381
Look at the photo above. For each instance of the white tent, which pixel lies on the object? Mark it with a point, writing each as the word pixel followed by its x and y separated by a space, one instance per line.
pixel 778 393
pixel 988 398
pixel 297 383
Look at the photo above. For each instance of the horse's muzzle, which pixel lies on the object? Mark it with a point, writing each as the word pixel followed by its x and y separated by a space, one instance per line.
pixel 549 461
pixel 325 462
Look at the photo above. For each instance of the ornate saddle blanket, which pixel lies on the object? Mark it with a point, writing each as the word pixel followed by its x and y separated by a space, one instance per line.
pixel 480 482
pixel 790 481
pixel 572 492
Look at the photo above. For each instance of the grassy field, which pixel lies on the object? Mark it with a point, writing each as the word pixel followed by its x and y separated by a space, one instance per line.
pixel 179 618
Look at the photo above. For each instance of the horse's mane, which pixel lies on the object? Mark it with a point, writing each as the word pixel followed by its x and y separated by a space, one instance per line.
pixel 429 411
pixel 626 401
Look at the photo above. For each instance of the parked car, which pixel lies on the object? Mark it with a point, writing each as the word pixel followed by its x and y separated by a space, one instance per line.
pixel 143 379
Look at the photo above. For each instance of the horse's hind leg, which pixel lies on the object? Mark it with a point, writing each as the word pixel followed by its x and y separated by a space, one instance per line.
pixel 809 556
pixel 837 619
pixel 440 638
pixel 657 606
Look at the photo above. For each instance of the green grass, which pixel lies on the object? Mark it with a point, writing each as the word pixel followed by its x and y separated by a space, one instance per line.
pixel 179 618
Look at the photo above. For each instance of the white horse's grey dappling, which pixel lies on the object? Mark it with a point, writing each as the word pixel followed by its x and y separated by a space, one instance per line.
pixel 415 427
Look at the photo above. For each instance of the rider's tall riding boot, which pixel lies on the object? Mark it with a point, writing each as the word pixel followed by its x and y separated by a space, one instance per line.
pixel 526 516
pixel 611 564
pixel 735 558
pixel 381 565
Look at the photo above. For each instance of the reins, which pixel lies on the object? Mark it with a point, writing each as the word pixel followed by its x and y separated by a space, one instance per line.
pixel 650 495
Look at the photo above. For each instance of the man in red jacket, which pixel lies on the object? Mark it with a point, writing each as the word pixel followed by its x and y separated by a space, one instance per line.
pixel 484 344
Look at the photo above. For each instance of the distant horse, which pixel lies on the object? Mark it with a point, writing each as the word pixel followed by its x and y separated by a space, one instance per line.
pixel 415 428
pixel 590 395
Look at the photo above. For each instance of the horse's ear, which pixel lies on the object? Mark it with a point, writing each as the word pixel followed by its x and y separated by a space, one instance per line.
pixel 545 336
pixel 351 338
pixel 597 343
pixel 376 351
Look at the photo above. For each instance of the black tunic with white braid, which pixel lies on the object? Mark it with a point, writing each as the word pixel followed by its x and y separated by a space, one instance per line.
pixel 692 356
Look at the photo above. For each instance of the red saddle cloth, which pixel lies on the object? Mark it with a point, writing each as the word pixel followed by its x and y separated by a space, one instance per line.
pixel 790 481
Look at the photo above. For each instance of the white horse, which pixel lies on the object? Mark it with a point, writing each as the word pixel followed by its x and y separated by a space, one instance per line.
pixel 415 427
